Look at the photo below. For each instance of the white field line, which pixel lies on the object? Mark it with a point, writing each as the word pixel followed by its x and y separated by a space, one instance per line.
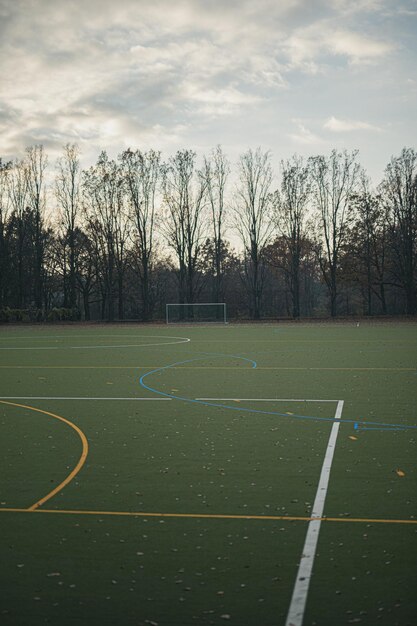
pixel 74 398
pixel 38 348
pixel 269 399
pixel 302 582
pixel 139 345
pixel 71 336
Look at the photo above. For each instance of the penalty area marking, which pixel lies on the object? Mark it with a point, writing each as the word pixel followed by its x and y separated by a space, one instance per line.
pixel 302 581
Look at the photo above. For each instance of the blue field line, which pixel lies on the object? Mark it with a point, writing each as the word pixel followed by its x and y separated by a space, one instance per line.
pixel 240 409
pixel 383 428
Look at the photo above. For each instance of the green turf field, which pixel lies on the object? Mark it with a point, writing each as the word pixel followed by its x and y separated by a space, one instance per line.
pixel 168 475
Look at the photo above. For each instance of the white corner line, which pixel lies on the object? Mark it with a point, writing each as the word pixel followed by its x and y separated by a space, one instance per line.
pixel 73 398
pixel 302 582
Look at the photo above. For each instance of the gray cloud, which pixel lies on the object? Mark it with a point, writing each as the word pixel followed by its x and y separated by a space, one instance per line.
pixel 166 74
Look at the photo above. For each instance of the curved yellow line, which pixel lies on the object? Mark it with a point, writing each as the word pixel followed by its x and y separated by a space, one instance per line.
pixel 81 460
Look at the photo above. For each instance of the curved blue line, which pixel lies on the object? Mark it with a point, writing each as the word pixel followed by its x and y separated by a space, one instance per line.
pixel 389 427
pixel 245 410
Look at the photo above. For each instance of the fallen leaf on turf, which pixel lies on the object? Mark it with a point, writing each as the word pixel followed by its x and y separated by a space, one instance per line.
pixel 109 383
pixel 353 438
pixel 400 472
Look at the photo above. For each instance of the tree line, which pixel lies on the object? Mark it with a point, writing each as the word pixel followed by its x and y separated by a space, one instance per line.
pixel 120 239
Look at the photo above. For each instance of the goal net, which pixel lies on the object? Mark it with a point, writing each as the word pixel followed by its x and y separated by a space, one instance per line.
pixel 203 313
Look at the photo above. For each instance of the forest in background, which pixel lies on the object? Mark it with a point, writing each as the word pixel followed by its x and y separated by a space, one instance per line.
pixel 120 239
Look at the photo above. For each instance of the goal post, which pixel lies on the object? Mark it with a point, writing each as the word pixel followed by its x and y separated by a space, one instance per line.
pixel 200 313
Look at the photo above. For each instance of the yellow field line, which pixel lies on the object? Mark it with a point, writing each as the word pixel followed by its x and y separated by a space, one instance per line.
pixel 202 367
pixel 281 518
pixel 81 460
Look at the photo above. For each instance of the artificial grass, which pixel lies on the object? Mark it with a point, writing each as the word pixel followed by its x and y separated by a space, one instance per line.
pixel 176 456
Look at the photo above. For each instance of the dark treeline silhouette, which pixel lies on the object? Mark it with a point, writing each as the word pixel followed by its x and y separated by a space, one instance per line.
pixel 124 237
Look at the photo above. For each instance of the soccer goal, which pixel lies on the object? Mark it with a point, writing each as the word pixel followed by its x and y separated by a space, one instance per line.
pixel 202 313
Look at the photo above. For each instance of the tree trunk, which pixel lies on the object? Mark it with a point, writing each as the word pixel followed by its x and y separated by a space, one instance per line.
pixel 333 293
pixel 86 302
pixel 145 293
pixel 295 280
pixel 120 299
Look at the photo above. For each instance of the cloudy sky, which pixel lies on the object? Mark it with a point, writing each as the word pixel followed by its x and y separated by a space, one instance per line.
pixel 292 76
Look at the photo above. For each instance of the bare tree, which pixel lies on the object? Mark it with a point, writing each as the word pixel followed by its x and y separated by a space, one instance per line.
pixel 106 218
pixel 252 220
pixel 18 194
pixel 215 172
pixel 141 173
pixel 183 224
pixel 290 210
pixel 67 189
pixel 367 251
pixel 5 172
pixel 37 162
pixel 85 269
pixel 399 189
pixel 324 235
pixel 334 181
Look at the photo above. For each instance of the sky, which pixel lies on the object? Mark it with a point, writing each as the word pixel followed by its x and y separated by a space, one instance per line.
pixel 290 76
